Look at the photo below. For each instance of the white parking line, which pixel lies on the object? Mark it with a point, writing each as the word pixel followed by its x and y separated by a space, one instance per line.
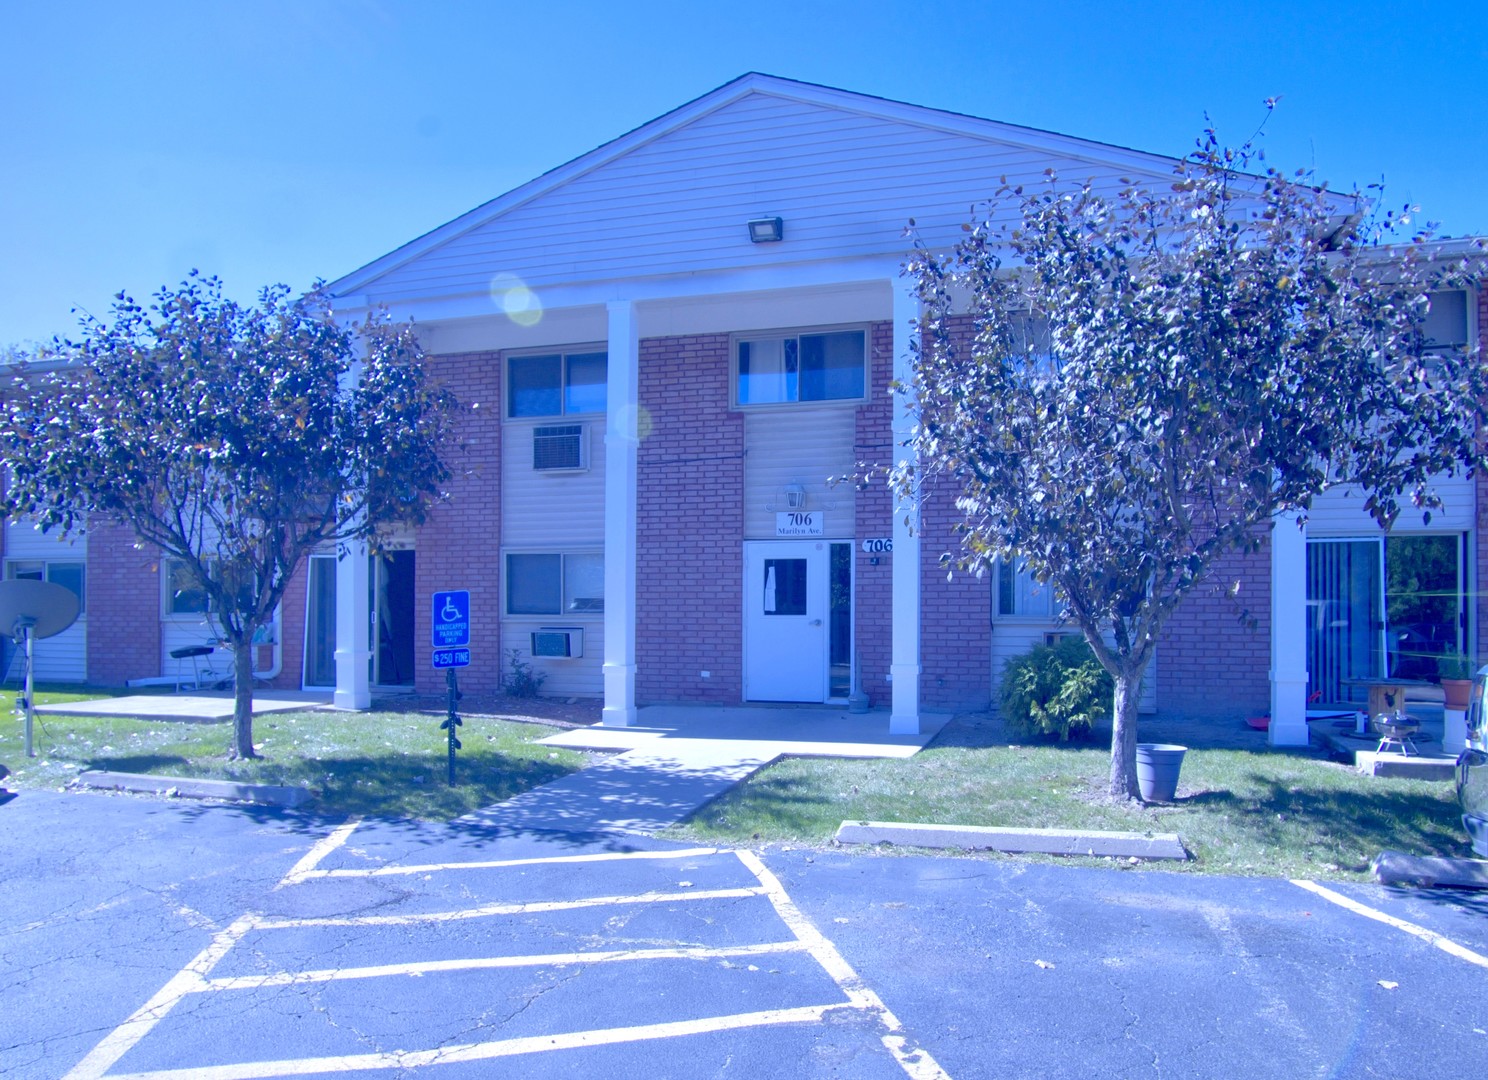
pixel 478 963
pixel 192 978
pixel 485 1051
pixel 1445 944
pixel 430 868
pixel 489 910
pixel 917 1063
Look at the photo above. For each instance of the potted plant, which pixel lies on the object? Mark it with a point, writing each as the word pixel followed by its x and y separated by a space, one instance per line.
pixel 1455 670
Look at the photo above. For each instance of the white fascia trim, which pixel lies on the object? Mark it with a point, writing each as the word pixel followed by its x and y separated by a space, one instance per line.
pixel 640 290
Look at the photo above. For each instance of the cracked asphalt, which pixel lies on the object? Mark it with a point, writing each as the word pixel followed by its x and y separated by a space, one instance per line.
pixel 994 967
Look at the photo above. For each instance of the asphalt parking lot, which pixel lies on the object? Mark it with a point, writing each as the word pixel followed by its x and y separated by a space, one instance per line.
pixel 147 937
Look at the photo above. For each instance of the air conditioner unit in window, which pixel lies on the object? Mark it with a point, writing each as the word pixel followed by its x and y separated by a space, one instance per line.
pixel 559 448
pixel 562 642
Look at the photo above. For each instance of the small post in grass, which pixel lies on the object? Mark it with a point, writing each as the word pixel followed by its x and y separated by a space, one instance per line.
pixel 452 721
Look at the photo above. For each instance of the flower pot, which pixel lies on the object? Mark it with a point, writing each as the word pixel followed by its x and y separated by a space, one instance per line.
pixel 1157 770
pixel 1458 692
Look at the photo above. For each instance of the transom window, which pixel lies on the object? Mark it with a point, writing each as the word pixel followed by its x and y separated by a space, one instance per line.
pixel 70 575
pixel 554 583
pixel 556 384
pixel 780 369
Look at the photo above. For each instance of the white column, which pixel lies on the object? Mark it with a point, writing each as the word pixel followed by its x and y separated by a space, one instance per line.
pixel 904 666
pixel 1288 633
pixel 621 442
pixel 353 635
pixel 353 607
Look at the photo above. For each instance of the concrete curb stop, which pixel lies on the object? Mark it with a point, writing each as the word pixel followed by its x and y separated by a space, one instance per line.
pixel 1124 845
pixel 1398 868
pixel 229 790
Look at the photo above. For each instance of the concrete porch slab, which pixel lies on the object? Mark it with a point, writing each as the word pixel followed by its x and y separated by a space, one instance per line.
pixel 756 733
pixel 205 707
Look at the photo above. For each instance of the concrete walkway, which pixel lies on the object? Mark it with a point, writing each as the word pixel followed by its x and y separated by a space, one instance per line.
pixel 677 759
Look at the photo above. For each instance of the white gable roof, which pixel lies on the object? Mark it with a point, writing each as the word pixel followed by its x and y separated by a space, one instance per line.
pixel 845 171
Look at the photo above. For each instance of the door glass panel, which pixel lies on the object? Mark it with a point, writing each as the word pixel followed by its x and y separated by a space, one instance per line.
pixel 785 587
pixel 840 645
pixel 1345 617
pixel 1423 602
pixel 320 637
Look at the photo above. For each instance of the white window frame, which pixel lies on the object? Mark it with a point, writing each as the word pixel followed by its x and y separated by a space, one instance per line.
pixel 45 567
pixel 1021 581
pixel 565 600
pixel 740 338
pixel 563 353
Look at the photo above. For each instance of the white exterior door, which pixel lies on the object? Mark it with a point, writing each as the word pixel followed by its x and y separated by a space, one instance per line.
pixel 785 620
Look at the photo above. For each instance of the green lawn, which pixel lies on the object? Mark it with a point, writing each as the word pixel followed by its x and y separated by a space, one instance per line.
pixel 1238 812
pixel 391 764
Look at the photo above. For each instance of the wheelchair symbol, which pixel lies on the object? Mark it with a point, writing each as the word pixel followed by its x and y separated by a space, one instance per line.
pixel 450 613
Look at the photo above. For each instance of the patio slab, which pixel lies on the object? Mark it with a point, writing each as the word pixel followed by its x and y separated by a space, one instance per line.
pixel 204 707
pixel 763 734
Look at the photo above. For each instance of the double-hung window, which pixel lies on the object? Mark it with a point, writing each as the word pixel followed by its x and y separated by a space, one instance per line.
pixel 778 369
pixel 1020 596
pixel 69 574
pixel 183 596
pixel 554 583
pixel 556 384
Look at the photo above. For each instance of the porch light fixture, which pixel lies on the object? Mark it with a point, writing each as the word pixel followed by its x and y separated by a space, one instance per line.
pixel 795 497
pixel 766 230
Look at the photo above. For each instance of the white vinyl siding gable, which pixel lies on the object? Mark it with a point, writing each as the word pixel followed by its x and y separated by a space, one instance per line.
pixel 805 446
pixel 846 183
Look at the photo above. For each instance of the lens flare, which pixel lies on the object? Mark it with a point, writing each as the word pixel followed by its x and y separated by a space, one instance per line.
pixel 515 300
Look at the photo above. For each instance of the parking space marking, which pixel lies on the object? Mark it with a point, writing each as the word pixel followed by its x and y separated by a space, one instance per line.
pixel 1445 944
pixel 425 967
pixel 485 1051
pixel 915 1061
pixel 804 938
pixel 193 977
pixel 530 908
pixel 321 848
pixel 493 864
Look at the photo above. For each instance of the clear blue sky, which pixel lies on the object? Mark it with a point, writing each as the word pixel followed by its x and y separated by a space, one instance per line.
pixel 285 140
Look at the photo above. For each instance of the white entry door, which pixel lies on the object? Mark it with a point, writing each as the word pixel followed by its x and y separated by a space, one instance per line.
pixel 786 602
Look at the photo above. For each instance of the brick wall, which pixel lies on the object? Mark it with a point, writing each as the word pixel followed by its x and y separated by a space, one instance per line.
pixel 690 502
pixel 292 631
pixel 123 606
pixel 873 612
pixel 458 546
pixel 1208 663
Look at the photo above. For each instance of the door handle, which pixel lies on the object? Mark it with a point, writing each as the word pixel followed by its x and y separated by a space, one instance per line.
pixel 814 622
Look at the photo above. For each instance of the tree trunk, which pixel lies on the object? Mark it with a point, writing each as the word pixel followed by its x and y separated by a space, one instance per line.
pixel 1124 736
pixel 242 746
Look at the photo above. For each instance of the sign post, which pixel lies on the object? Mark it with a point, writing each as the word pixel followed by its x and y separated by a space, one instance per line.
pixel 452 650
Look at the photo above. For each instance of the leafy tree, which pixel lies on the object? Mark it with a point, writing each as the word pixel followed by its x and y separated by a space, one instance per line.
pixel 236 439
pixel 1122 389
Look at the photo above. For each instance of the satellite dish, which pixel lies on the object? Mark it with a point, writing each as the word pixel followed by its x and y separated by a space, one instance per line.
pixel 31 610
pixel 42 607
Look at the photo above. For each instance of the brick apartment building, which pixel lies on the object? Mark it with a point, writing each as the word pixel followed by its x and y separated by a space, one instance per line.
pixel 666 348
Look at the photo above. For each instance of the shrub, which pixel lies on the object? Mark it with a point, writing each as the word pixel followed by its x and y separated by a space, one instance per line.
pixel 1056 690
pixel 522 680
pixel 1454 666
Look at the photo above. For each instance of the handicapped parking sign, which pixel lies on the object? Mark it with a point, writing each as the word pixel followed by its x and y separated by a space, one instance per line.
pixel 451 619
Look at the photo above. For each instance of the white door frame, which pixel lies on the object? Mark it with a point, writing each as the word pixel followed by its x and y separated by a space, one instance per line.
pixel 809 632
